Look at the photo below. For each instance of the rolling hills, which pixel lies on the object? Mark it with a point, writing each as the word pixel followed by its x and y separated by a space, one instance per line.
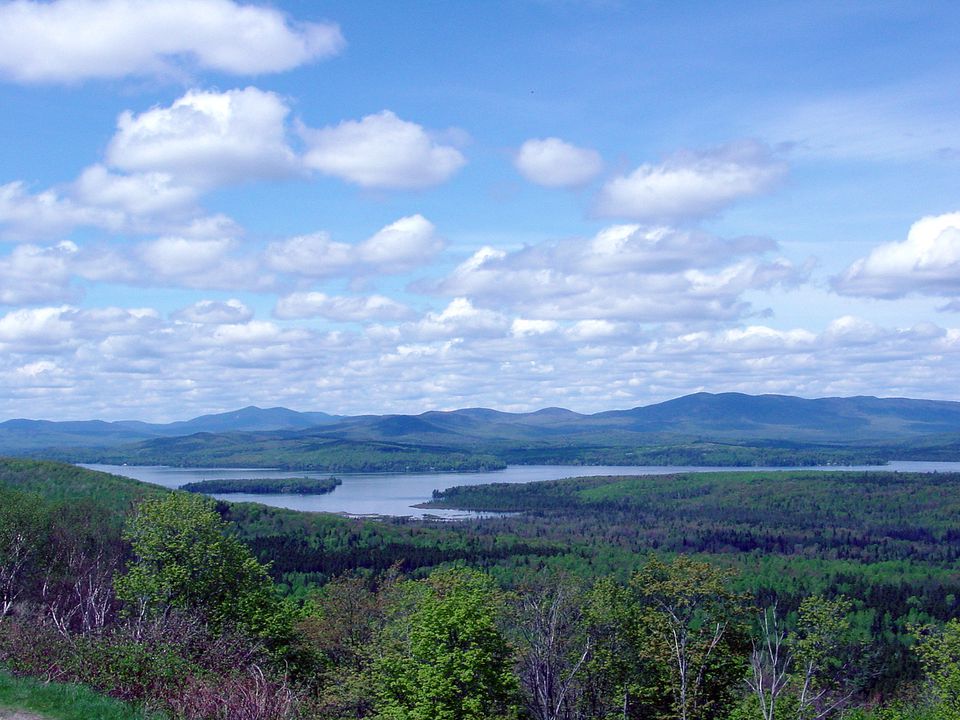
pixel 698 429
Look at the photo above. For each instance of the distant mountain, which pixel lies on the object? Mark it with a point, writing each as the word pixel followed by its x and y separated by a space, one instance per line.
pixel 249 419
pixel 704 428
pixel 736 415
pixel 20 434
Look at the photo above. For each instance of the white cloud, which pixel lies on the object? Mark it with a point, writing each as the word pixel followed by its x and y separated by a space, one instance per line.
pixel 56 360
pixel 398 247
pixel 521 327
pixel 691 185
pixel 401 245
pixel 32 327
pixel 587 330
pixel 73 40
pixel 32 274
pixel 622 273
pixel 47 213
pixel 555 163
pixel 342 309
pixel 139 194
pixel 205 139
pixel 252 332
pixel 852 330
pixel 381 151
pixel 140 203
pixel 313 255
pixel 927 263
pixel 214 312
pixel 184 256
pixel 459 318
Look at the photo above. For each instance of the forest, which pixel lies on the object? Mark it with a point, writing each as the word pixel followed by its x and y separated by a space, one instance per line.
pixel 705 595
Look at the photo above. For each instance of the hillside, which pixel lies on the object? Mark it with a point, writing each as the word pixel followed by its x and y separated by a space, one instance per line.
pixel 699 429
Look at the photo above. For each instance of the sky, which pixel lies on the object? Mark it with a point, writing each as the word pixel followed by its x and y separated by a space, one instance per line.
pixel 393 207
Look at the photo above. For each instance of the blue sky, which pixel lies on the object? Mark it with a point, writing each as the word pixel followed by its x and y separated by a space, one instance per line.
pixel 395 207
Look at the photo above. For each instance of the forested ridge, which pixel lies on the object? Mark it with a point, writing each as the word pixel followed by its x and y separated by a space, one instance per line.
pixel 726 429
pixel 721 595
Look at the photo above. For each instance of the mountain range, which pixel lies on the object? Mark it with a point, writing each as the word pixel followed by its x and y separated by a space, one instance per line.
pixel 703 424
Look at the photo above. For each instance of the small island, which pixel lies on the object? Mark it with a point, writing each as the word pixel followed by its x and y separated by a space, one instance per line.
pixel 266 486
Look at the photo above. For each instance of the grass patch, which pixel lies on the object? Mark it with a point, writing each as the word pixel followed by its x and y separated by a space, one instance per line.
pixel 60 701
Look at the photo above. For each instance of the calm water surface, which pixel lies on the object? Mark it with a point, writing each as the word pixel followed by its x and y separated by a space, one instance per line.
pixel 397 493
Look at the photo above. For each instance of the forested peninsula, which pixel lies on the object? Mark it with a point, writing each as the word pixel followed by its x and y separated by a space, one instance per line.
pixel 265 486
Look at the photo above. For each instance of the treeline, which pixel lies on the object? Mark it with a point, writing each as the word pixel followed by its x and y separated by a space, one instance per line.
pixel 454 452
pixel 176 613
pixel 698 454
pixel 266 486
pixel 240 450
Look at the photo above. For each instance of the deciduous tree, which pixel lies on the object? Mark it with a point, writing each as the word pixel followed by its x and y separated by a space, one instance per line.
pixel 445 656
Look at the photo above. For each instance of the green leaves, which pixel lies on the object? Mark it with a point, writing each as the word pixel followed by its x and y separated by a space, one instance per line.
pixel 185 558
pixel 445 657
pixel 939 652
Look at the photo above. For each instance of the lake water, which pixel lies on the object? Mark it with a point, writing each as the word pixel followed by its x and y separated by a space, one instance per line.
pixel 396 493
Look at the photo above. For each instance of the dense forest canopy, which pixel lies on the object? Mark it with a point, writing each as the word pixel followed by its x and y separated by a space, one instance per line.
pixel 700 595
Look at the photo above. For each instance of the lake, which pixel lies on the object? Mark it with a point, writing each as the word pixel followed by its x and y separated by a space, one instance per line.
pixel 396 493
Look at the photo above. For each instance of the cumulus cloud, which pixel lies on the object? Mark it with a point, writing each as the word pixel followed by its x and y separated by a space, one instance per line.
pixel 381 151
pixel 340 308
pixel 29 328
pixel 521 327
pixel 625 272
pixel 33 274
pixel 159 163
pixel 205 139
pixel 137 203
pixel 555 163
pixel 926 263
pixel 26 214
pixel 398 247
pixel 73 40
pixel 138 195
pixel 252 332
pixel 214 312
pixel 691 185
pixel 459 318
pixel 401 245
pixel 184 256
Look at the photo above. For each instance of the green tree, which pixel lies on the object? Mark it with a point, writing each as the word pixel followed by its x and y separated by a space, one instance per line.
pixel 620 680
pixel 445 657
pixel 23 531
pixel 939 652
pixel 341 629
pixel 692 624
pixel 186 559
pixel 821 648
